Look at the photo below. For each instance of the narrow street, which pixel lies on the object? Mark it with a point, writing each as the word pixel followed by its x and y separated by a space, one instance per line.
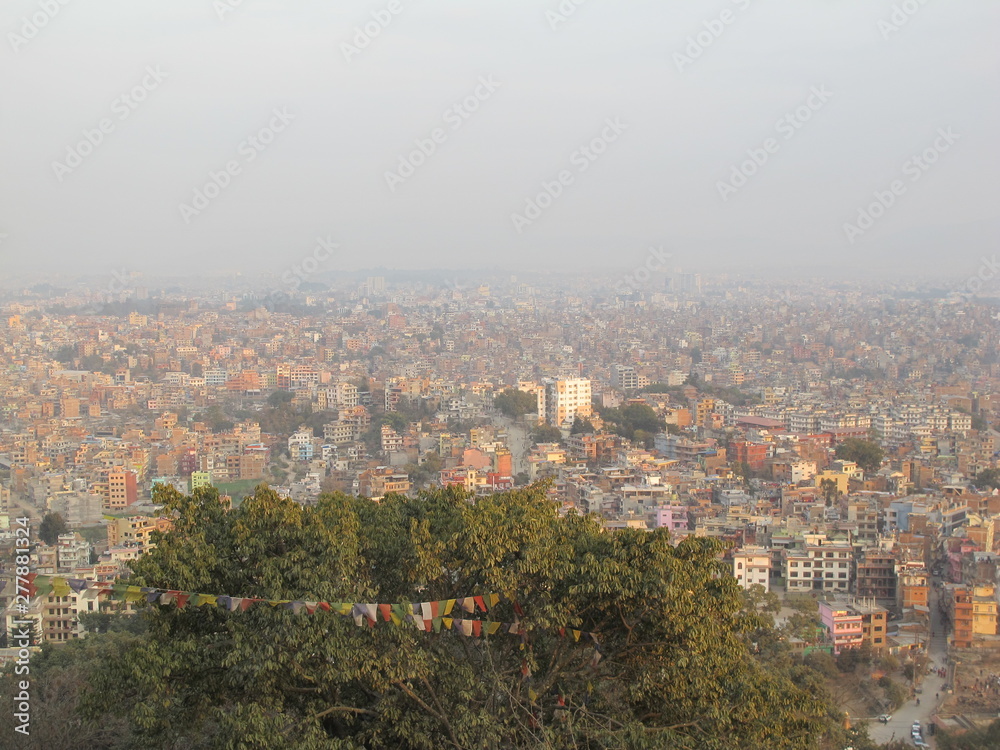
pixel 931 685
pixel 519 442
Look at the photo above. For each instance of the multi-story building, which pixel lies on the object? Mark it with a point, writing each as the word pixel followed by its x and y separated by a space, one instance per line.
pixel 913 585
pixel 626 377
pixel 122 488
pixel 752 565
pixel 798 571
pixel 874 622
pixel 974 613
pixel 752 454
pixel 136 531
pixel 843 623
pixel 382 480
pixel 560 401
pixel 301 446
pixel 876 576
pixel 962 617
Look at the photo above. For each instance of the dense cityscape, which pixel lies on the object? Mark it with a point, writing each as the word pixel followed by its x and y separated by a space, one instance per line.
pixel 560 375
pixel 841 440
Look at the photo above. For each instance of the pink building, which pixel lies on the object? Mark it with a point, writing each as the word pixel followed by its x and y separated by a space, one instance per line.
pixel 843 624
pixel 673 517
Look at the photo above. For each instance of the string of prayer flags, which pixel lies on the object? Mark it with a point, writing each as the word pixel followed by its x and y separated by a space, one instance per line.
pixel 431 616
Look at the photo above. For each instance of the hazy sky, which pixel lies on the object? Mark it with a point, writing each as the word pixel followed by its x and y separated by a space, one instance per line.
pixel 847 92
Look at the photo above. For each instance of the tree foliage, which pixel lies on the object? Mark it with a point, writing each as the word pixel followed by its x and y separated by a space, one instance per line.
pixel 865 453
pixel 988 478
pixel 674 669
pixel 52 525
pixel 515 403
pixel 545 433
pixel 987 738
pixel 628 420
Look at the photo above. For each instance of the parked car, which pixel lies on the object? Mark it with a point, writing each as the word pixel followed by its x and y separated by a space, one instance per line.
pixel 885 718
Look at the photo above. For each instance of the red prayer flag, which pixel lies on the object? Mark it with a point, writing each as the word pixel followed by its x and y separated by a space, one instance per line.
pixel 479 600
pixel 386 610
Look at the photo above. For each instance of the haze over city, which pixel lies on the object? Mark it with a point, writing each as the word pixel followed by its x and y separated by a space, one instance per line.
pixel 537 375
pixel 697 88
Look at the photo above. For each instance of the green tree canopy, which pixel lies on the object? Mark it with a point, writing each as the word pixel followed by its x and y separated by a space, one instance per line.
pixel 632 418
pixel 865 453
pixel 986 738
pixel 546 433
pixel 671 667
pixel 988 478
pixel 514 403
pixel 52 525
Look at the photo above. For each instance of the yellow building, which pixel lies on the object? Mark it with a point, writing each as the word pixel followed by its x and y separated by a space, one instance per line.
pixel 841 480
pixel 200 479
pixel 703 411
pixel 984 611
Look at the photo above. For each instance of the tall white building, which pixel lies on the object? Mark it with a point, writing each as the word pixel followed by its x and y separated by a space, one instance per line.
pixel 752 565
pixel 559 401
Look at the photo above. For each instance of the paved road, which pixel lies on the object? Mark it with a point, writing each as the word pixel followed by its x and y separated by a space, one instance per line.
pixel 21 507
pixel 903 718
pixel 519 442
